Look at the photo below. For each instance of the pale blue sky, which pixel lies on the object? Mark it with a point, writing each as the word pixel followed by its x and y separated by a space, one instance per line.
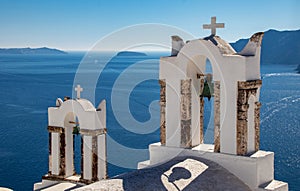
pixel 78 24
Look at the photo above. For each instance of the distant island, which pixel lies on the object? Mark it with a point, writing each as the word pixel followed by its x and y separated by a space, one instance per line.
pixel 278 47
pixel 131 53
pixel 30 51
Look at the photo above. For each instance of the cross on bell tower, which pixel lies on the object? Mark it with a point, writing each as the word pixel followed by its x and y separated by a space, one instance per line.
pixel 78 89
pixel 213 25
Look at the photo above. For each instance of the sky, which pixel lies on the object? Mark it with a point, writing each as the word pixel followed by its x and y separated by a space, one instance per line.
pixel 79 24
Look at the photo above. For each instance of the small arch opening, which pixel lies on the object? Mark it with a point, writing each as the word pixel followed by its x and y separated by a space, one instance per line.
pixel 77 147
pixel 73 145
pixel 208 97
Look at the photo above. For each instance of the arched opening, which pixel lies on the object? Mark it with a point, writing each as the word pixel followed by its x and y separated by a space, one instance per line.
pixel 208 101
pixel 73 146
pixel 251 127
pixel 205 128
pixel 77 147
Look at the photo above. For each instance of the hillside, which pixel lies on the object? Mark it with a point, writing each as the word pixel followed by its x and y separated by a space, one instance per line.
pixel 278 47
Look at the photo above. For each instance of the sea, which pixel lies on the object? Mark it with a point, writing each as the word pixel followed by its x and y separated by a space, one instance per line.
pixel 29 84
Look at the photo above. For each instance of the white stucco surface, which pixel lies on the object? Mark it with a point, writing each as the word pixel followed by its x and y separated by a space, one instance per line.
pixel 55 153
pixel 102 160
pixel 251 127
pixel 81 108
pixel 5 189
pixel 87 157
pixel 228 68
pixel 254 170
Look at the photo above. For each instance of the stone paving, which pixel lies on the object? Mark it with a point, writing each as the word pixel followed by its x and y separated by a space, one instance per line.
pixel 182 173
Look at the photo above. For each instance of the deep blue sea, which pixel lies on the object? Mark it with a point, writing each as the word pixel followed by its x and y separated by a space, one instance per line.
pixel 30 84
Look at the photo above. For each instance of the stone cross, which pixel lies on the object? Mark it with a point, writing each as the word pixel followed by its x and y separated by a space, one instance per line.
pixel 78 89
pixel 213 25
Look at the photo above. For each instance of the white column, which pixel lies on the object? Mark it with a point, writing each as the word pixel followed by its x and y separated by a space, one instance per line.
pixel 55 149
pixel 228 117
pixel 102 167
pixel 251 127
pixel 87 157
pixel 195 130
pixel 69 151
pixel 173 113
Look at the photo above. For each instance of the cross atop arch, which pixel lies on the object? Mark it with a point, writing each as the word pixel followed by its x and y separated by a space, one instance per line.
pixel 78 89
pixel 213 25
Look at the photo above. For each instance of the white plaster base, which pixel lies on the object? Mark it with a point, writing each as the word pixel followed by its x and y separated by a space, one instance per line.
pixel 59 186
pixel 256 170
pixel 143 164
pixel 69 183
pixel 44 184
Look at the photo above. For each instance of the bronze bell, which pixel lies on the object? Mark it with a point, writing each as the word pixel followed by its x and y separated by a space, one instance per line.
pixel 208 89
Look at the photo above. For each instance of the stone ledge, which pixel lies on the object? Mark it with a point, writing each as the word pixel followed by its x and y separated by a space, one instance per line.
pixel 55 129
pixel 95 132
pixel 251 84
pixel 58 178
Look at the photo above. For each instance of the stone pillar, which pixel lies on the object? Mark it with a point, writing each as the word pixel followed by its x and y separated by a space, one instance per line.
pixel 245 89
pixel 62 147
pixel 242 123
pixel 186 111
pixel 201 117
pixel 73 169
pixel 91 150
pixel 94 159
pixel 217 116
pixel 162 112
pixel 50 153
pixel 81 161
pixel 201 124
pixel 257 124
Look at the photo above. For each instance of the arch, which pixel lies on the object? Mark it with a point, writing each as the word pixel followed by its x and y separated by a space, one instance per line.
pixel 196 52
pixel 70 121
pixel 194 56
pixel 93 140
pixel 224 65
pixel 83 109
pixel 230 70
pixel 208 105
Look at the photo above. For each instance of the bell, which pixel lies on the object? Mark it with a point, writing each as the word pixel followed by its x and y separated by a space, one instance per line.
pixel 208 89
pixel 76 130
